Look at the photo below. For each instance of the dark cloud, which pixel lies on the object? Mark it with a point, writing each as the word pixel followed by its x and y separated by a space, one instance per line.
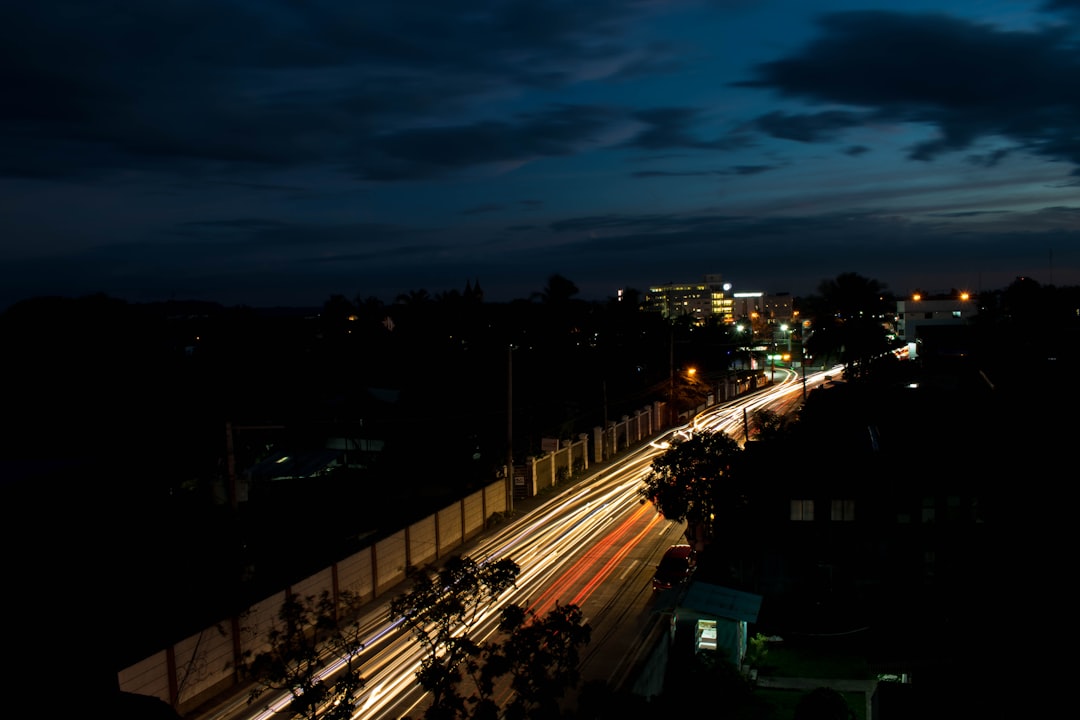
pixel 236 101
pixel 482 209
pixel 969 213
pixel 673 173
pixel 989 159
pixel 429 152
pixel 672 128
pixel 968 80
pixel 1062 5
pixel 93 87
pixel 734 170
pixel 810 127
pixel 233 224
pixel 751 169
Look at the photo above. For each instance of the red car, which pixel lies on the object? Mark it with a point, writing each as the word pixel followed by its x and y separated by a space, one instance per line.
pixel 675 567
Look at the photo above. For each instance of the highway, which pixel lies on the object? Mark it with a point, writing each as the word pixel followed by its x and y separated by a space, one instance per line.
pixel 594 544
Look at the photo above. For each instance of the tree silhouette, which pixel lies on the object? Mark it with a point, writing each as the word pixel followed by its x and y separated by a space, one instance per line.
pixel 558 291
pixel 541 655
pixel 308 633
pixel 440 611
pixel 848 321
pixel 768 424
pixel 693 481
pixel 414 297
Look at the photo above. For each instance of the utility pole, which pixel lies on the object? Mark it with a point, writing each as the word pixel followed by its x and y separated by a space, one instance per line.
pixel 510 428
pixel 672 417
pixel 802 363
pixel 230 457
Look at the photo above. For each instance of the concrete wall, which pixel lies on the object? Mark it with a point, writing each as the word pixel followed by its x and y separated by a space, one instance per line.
pixel 557 466
pixel 202 666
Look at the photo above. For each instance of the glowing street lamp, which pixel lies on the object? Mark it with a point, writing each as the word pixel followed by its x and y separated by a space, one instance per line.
pixel 772 358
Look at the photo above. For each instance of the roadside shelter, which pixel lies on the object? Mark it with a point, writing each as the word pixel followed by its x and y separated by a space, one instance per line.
pixel 719 618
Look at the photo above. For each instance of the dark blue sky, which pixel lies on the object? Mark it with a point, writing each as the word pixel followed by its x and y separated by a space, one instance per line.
pixel 275 152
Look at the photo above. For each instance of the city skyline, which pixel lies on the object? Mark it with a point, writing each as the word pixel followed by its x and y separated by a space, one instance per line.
pixel 271 154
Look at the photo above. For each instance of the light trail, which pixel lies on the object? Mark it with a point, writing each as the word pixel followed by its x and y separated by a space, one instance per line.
pixel 597 513
pixel 609 566
pixel 569 577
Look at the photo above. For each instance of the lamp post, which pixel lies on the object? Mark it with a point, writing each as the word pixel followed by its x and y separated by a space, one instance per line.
pixel 802 361
pixel 750 345
pixel 783 329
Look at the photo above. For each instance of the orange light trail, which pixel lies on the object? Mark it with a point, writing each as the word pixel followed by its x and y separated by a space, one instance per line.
pixel 609 567
pixel 547 600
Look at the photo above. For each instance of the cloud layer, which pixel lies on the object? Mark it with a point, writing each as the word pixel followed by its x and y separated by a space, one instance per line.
pixel 246 148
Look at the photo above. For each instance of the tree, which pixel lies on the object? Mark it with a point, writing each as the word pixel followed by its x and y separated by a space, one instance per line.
pixel 848 321
pixel 558 291
pixel 310 631
pixel 414 297
pixel 540 655
pixel 689 389
pixel 441 609
pixel 693 481
pixel 768 424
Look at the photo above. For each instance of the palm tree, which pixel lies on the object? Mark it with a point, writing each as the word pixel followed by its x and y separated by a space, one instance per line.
pixel 414 297
pixel 558 291
pixel 848 321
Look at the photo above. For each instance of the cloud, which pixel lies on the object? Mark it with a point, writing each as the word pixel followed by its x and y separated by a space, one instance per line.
pixel 968 80
pixel 96 87
pixel 811 127
pixel 1062 5
pixel 670 127
pixel 428 152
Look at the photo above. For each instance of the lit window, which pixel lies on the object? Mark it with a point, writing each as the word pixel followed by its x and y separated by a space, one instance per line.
pixel 928 506
pixel 843 510
pixel 802 510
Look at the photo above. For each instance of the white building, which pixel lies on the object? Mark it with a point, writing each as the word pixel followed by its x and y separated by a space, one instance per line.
pixel 937 311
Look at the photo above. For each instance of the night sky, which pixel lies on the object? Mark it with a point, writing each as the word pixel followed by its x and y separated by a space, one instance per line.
pixel 275 152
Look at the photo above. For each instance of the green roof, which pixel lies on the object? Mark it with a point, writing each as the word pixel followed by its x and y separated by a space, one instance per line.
pixel 718 601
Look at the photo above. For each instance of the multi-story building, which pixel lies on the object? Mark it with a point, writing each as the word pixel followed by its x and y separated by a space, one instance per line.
pixel 779 309
pixel 674 300
pixel 918 313
pixel 713 299
pixel 702 300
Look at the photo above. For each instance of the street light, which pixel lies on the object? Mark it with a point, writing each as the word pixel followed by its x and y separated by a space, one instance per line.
pixel 783 329
pixel 740 329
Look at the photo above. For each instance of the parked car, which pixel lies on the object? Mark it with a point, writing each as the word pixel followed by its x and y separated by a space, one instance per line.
pixel 675 567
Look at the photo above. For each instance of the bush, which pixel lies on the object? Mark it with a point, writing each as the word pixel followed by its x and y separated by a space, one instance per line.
pixel 756 651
